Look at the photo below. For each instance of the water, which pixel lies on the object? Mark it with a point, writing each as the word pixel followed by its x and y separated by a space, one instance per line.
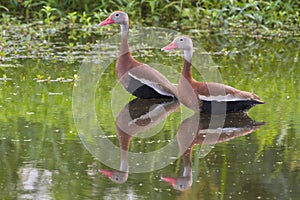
pixel 44 156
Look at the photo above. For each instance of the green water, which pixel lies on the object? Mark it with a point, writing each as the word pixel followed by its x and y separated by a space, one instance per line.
pixel 43 156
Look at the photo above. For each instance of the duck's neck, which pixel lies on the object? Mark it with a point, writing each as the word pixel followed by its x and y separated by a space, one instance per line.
pixel 187 71
pixel 124 48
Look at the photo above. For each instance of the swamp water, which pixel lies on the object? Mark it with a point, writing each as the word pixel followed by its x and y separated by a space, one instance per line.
pixel 44 154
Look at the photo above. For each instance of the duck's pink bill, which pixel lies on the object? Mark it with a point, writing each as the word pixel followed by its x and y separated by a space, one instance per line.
pixel 172 181
pixel 106 172
pixel 171 46
pixel 109 20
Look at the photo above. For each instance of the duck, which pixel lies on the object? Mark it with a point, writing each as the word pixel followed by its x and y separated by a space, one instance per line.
pixel 137 78
pixel 208 97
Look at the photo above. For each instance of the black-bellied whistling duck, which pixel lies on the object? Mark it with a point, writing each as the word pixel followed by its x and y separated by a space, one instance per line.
pixel 137 116
pixel 137 78
pixel 198 130
pixel 209 97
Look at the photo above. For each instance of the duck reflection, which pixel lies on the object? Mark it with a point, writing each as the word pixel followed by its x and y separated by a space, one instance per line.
pixel 138 116
pixel 207 130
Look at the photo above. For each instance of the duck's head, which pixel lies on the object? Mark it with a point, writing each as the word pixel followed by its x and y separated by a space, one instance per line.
pixel 183 42
pixel 119 17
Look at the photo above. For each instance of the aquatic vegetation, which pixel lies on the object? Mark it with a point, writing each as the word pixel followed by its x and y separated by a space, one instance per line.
pixel 4 8
pixel 34 35
pixel 48 11
pixel 72 19
pixel 275 14
pixel 29 6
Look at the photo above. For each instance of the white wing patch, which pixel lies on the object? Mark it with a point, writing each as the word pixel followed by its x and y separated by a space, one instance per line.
pixel 222 98
pixel 158 88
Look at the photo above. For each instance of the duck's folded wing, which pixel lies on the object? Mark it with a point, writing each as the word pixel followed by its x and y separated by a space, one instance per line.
pixel 209 91
pixel 154 79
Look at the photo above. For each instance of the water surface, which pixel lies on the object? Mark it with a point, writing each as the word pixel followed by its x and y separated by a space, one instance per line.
pixel 44 157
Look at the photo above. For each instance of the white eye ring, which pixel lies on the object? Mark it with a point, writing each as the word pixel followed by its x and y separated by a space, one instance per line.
pixel 117 14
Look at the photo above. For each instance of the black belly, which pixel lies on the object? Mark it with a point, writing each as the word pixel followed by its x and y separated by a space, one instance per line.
pixel 143 91
pixel 216 107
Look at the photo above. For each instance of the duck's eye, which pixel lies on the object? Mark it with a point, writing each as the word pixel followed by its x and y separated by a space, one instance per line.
pixel 117 179
pixel 117 14
pixel 181 40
